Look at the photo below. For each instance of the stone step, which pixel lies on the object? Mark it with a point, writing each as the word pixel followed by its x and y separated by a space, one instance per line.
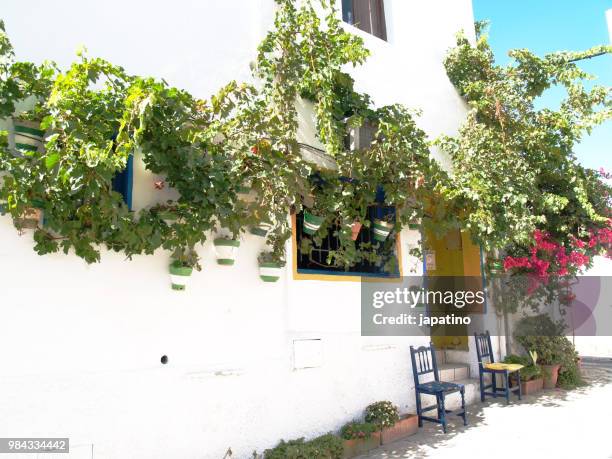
pixel 453 371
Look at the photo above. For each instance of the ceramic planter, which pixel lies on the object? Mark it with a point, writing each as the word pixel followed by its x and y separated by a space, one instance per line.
pixel 533 386
pixel 496 266
pixel 28 135
pixel 270 271
pixel 168 217
pixel 180 276
pixel 353 448
pixel 551 374
pixel 260 230
pixel 245 192
pixel 406 426
pixel 355 229
pixel 226 250
pixel 31 218
pixel 382 230
pixel 312 223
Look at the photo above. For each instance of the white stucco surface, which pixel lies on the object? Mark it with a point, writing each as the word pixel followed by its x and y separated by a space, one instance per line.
pixel 81 345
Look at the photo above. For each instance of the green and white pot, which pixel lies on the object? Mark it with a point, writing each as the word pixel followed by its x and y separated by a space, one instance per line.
pixel 496 266
pixel 28 135
pixel 226 250
pixel 246 193
pixel 260 230
pixel 180 276
pixel 168 217
pixel 382 230
pixel 270 271
pixel 312 223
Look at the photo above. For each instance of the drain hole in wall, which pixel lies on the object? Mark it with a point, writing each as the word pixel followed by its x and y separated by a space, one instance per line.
pixel 164 359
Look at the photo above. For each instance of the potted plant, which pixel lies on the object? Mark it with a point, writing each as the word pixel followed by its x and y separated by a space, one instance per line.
pixel 355 229
pixel 226 250
pixel 495 265
pixel 531 373
pixel 181 268
pixel 382 227
pixel 393 427
pixel 314 217
pixel 29 135
pixel 359 438
pixel 270 266
pixel 261 229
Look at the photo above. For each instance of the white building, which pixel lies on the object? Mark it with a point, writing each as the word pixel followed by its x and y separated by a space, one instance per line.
pixel 82 345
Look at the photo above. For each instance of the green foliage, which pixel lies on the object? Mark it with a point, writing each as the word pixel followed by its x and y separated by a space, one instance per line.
pixel 514 167
pixel 383 414
pixel 542 335
pixel 529 371
pixel 324 447
pixel 207 149
pixel 355 430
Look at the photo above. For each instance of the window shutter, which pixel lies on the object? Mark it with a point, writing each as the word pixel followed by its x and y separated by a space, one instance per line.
pixel 361 15
pixel 377 18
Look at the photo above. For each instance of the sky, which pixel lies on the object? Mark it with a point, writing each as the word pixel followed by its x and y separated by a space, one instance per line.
pixel 545 26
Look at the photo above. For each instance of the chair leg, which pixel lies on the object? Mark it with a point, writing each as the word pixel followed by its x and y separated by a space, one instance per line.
pixel 520 392
pixel 507 392
pixel 419 408
pixel 494 382
pixel 442 411
pixel 463 406
pixel 482 391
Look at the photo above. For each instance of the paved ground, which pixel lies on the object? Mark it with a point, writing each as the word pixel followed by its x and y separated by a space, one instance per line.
pixel 555 424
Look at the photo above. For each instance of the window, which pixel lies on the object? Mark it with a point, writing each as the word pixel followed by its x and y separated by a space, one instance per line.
pixel 122 182
pixel 367 15
pixel 315 260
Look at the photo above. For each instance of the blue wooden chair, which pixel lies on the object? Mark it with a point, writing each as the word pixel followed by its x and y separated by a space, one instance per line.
pixel 487 365
pixel 424 362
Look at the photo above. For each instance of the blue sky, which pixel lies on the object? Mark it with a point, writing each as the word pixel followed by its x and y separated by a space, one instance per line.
pixel 545 26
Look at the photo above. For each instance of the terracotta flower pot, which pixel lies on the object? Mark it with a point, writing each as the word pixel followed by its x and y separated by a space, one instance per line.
pixel 551 374
pixel 355 228
pixel 532 387
pixel 406 426
pixel 353 448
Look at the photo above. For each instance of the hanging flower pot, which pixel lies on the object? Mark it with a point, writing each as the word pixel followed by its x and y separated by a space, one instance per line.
pixel 168 217
pixel 270 266
pixel 226 250
pixel 496 266
pixel 28 135
pixel 260 230
pixel 312 223
pixel 382 229
pixel 180 275
pixel 270 272
pixel 245 192
pixel 414 225
pixel 355 229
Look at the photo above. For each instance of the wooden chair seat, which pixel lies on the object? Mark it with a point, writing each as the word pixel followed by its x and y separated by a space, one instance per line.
pixel 436 387
pixel 498 366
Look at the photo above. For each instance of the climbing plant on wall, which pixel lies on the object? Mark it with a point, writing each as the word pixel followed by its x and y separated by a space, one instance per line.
pixel 96 117
pixel 515 173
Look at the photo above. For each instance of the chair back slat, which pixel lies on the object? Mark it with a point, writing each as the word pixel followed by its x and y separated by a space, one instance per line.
pixel 423 362
pixel 484 349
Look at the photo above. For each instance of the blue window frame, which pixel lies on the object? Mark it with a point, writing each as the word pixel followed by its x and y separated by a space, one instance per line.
pixel 124 180
pixel 315 261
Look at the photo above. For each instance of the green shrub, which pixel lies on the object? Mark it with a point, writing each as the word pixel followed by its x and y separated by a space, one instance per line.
pixel 383 414
pixel 552 349
pixel 327 446
pixel 529 371
pixel 354 429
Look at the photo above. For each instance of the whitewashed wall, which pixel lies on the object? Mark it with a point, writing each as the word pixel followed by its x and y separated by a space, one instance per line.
pixel 81 345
